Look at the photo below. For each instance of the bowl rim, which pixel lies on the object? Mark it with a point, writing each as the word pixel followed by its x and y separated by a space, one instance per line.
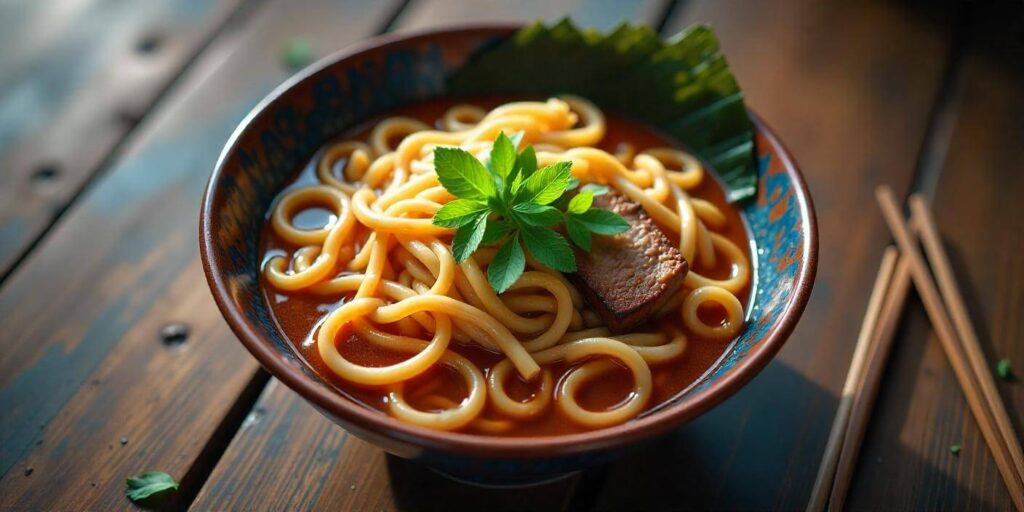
pixel 478 445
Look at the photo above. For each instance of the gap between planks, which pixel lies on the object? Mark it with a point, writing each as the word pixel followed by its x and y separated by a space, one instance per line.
pixel 93 174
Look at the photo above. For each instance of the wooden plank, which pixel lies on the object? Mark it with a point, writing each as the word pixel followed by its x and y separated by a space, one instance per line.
pixel 74 80
pixel 848 86
pixel 599 14
pixel 288 456
pixel 294 437
pixel 976 205
pixel 81 358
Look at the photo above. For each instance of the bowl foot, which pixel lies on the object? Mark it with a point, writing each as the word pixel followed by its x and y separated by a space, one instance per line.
pixel 503 482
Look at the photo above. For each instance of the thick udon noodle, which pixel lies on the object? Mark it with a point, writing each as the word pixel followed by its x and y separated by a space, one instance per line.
pixel 405 294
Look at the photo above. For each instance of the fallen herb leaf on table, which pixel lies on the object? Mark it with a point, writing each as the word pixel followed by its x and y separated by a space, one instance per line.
pixel 144 485
pixel 1003 369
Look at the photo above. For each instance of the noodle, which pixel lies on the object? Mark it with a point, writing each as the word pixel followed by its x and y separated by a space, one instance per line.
pixel 402 292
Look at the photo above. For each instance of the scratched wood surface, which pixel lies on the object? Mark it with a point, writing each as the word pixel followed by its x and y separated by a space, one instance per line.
pixel 870 72
pixel 318 466
pixel 976 180
pixel 113 359
pixel 75 78
pixel 71 390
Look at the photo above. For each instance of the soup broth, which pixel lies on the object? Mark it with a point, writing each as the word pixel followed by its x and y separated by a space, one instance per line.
pixel 300 313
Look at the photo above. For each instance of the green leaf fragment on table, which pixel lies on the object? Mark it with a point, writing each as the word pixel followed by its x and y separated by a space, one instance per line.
pixel 1004 370
pixel 144 485
pixel 955 449
pixel 297 53
pixel 682 86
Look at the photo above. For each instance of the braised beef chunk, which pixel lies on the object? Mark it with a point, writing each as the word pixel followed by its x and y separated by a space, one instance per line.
pixel 626 278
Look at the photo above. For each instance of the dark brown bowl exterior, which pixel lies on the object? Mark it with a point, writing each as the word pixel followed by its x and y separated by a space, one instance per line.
pixel 292 122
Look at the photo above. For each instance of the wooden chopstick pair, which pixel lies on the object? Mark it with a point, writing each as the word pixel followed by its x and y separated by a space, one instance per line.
pixel 957 336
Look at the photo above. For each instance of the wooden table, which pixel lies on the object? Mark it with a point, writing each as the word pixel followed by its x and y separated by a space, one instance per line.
pixel 114 359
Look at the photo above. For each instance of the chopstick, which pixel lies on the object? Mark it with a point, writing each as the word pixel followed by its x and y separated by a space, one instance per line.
pixel 881 346
pixel 999 444
pixel 827 471
pixel 936 253
pixel 874 343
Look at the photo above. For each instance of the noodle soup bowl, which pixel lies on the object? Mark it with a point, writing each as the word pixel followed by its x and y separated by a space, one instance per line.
pixel 287 127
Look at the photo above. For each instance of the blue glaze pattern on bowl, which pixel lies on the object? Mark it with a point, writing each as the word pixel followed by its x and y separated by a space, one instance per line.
pixel 287 128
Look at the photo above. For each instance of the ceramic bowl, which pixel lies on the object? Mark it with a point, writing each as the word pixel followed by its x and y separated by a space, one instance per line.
pixel 286 128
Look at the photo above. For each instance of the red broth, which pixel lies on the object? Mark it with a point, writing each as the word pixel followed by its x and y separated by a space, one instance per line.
pixel 298 314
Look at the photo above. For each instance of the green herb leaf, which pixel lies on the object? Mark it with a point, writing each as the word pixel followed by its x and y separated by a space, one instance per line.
pixel 462 174
pixel 503 155
pixel 594 188
pixel 458 213
pixel 495 231
pixel 682 86
pixel 144 485
pixel 530 205
pixel 1004 370
pixel 527 162
pixel 547 184
pixel 507 266
pixel 537 215
pixel 602 222
pixel 550 249
pixel 955 449
pixel 580 202
pixel 526 165
pixel 467 238
pixel 579 233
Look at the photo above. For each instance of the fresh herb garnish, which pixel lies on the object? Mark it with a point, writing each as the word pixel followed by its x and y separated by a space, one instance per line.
pixel 144 485
pixel 682 86
pixel 955 450
pixel 1003 369
pixel 508 202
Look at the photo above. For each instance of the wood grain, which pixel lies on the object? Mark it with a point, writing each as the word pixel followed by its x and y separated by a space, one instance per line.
pixel 849 87
pixel 288 456
pixel 599 14
pixel 81 360
pixel 82 76
pixel 976 207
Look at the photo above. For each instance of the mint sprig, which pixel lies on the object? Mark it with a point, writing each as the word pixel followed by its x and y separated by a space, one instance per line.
pixel 509 203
